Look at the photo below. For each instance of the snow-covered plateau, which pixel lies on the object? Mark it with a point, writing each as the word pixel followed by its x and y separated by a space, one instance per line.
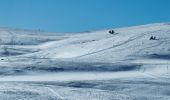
pixel 132 63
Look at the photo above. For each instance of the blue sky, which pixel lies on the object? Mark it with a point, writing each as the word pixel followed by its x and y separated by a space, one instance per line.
pixel 81 15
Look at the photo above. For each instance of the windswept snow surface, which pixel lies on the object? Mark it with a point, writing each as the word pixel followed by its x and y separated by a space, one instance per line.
pixel 96 65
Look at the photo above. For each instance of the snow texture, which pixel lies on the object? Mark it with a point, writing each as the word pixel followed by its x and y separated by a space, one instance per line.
pixel 126 65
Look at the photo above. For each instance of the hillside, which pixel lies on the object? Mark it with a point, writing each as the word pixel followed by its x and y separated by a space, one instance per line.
pixel 129 55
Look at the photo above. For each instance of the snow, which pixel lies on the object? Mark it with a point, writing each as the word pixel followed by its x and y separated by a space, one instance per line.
pixel 97 65
pixel 73 76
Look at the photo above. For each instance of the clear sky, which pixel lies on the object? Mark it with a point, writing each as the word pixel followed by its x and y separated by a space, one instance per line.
pixel 81 15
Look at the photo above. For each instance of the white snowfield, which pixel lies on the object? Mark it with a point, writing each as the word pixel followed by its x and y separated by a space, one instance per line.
pixel 126 65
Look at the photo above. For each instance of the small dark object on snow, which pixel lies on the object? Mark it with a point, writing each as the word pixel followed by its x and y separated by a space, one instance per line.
pixel 2 59
pixel 153 38
pixel 111 31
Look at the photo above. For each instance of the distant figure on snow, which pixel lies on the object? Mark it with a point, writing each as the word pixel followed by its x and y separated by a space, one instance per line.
pixel 111 31
pixel 153 38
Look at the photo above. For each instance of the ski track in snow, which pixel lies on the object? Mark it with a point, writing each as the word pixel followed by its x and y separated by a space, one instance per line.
pixel 55 93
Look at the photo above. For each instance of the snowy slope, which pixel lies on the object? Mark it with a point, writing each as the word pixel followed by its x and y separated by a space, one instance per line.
pixel 127 56
pixel 31 50
pixel 102 46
